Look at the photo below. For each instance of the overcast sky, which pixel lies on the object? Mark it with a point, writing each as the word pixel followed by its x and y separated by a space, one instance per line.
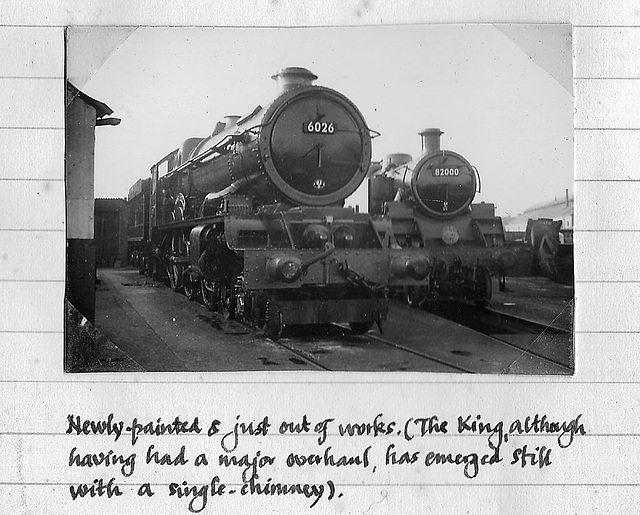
pixel 497 106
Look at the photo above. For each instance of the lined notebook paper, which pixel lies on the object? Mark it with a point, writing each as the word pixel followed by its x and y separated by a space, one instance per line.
pixel 593 464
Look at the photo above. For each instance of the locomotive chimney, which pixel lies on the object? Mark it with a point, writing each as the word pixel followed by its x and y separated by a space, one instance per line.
pixel 293 77
pixel 430 140
pixel 230 120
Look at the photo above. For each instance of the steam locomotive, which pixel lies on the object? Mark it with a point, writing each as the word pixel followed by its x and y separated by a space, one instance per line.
pixel 251 218
pixel 429 205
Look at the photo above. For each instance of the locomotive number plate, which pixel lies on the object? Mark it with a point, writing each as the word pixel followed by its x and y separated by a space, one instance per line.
pixel 446 172
pixel 319 127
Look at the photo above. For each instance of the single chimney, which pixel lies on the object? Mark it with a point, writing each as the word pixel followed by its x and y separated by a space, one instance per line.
pixel 430 140
pixel 230 120
pixel 293 77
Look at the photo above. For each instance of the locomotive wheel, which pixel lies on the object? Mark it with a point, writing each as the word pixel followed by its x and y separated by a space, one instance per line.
pixel 175 277
pixel 360 327
pixel 208 292
pixel 258 310
pixel 275 326
pixel 189 285
pixel 413 297
pixel 175 272
pixel 227 302
pixel 483 281
pixel 242 306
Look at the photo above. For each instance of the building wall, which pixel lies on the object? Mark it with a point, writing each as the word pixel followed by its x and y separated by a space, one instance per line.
pixel 79 142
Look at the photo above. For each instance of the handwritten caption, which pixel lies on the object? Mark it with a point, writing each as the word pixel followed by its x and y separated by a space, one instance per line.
pixel 223 466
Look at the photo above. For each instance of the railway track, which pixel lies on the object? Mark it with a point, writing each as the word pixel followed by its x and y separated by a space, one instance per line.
pixel 421 341
pixel 151 322
pixel 453 366
pixel 453 340
pixel 304 355
pixel 550 342
pixel 326 351
pixel 335 347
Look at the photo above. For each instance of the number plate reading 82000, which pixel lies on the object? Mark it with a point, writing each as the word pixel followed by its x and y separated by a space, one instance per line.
pixel 446 172
pixel 319 127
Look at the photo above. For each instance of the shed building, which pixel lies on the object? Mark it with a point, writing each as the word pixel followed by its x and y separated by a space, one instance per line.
pixel 82 115
pixel 111 215
pixel 557 210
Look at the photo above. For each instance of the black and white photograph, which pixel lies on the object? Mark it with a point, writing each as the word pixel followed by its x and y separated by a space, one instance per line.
pixel 284 257
pixel 357 199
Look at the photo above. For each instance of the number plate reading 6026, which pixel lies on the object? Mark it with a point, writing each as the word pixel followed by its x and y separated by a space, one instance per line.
pixel 319 127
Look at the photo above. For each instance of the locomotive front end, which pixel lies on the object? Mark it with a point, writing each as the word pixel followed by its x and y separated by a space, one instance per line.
pixel 314 143
pixel 252 215
pixel 443 183
pixel 298 256
pixel 427 204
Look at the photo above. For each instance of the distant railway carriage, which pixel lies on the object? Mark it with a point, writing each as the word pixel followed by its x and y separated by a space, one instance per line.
pixel 427 204
pixel 138 223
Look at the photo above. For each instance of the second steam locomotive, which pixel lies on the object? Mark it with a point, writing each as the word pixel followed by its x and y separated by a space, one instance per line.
pixel 252 219
pixel 428 203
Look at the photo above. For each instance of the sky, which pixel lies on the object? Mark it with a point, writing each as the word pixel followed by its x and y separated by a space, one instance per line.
pixel 509 116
